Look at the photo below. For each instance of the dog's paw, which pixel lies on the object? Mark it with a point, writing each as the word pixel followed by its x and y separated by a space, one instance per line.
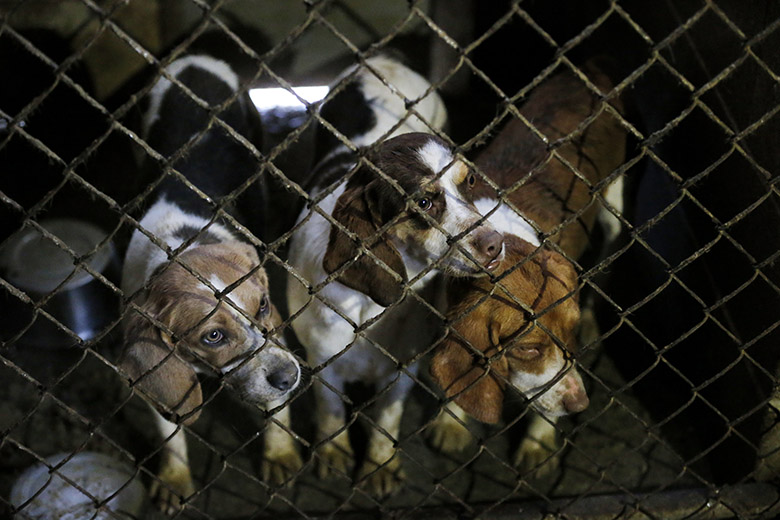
pixel 169 490
pixel 381 480
pixel 537 457
pixel 280 467
pixel 449 436
pixel 334 458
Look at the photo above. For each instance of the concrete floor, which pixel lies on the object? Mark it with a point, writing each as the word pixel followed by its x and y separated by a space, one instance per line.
pixel 610 448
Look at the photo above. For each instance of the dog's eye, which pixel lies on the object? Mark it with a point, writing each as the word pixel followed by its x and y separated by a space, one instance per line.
pixel 213 337
pixel 263 305
pixel 425 203
pixel 471 180
pixel 527 353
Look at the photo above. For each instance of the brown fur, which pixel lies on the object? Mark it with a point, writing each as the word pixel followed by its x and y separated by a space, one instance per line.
pixel 371 201
pixel 353 211
pixel 159 358
pixel 492 333
pixel 489 341
pixel 540 185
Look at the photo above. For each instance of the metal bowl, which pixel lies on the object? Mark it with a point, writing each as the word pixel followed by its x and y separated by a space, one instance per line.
pixel 54 281
pixel 68 493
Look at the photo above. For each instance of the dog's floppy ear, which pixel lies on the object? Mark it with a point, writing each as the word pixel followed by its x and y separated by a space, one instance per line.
pixel 155 368
pixel 475 388
pixel 364 274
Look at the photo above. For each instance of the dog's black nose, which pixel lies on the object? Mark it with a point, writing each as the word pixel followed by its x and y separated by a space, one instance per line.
pixel 283 378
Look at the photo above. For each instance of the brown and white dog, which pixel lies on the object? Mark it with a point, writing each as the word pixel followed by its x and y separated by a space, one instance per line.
pixel 386 219
pixel 520 329
pixel 200 301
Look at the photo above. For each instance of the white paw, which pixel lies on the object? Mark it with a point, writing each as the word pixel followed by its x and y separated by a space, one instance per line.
pixel 170 488
pixel 279 467
pixel 537 457
pixel 334 458
pixel 449 436
pixel 381 480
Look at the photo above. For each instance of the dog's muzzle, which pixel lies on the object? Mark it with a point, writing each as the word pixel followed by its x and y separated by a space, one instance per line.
pixel 285 377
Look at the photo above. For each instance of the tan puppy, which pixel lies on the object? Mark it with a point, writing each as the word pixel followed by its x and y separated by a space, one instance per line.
pixel 199 329
pixel 496 340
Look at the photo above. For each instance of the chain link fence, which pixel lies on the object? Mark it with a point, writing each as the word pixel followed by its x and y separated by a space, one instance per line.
pixel 679 294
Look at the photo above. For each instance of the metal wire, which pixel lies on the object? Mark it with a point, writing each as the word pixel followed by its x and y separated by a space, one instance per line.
pixel 627 457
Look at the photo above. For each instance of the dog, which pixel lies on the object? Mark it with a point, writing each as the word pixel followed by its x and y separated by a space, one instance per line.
pixel 382 220
pixel 199 294
pixel 519 329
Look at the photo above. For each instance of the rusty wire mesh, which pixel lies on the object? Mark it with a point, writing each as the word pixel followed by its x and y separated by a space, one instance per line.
pixel 681 369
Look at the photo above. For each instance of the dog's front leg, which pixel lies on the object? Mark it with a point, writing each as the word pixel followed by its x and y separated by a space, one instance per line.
pixel 381 471
pixel 334 452
pixel 281 460
pixel 174 481
pixel 539 451
pixel 448 432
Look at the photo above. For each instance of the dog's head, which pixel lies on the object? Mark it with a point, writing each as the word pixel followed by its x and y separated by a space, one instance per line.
pixel 423 212
pixel 520 331
pixel 184 327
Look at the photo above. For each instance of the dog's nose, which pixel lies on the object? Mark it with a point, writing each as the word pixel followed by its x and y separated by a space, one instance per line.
pixel 489 243
pixel 284 377
pixel 575 399
pixel 576 403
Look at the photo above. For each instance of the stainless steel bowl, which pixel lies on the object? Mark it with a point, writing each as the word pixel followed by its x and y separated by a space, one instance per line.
pixel 43 494
pixel 43 270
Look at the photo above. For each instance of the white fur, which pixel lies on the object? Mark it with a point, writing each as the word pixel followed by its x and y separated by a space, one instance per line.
pixel 175 477
pixel 162 221
pixel 234 300
pixel 382 449
pixel 327 328
pixel 459 214
pixel 219 284
pixel 404 329
pixel 614 197
pixel 539 450
pixel 507 221
pixel 436 156
pixel 389 102
pixel 176 445
pixel 217 67
pixel 143 256
pixel 548 401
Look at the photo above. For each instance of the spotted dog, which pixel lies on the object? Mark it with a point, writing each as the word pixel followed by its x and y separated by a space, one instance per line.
pixel 386 220
pixel 200 300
